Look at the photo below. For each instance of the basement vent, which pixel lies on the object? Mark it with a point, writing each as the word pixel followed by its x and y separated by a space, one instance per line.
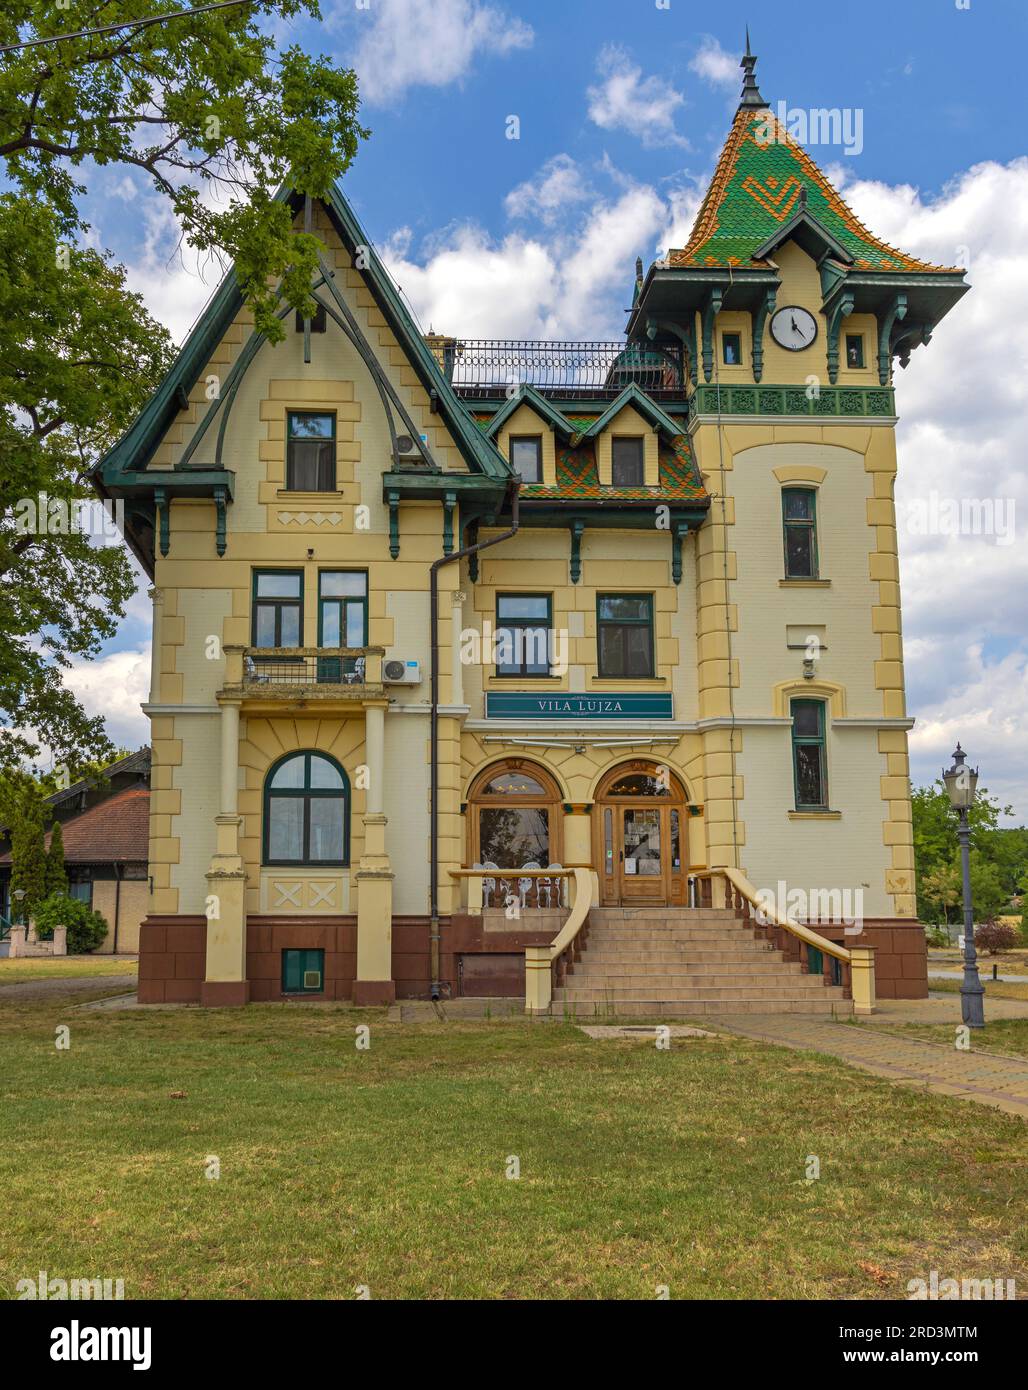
pixel 312 979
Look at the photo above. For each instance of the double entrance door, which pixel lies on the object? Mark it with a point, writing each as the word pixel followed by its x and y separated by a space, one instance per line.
pixel 642 850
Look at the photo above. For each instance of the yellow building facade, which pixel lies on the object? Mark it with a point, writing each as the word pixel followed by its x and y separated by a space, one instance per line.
pixel 632 608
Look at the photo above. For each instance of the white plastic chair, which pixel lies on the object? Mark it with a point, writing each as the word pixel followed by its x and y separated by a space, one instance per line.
pixel 488 884
pixel 552 887
pixel 525 884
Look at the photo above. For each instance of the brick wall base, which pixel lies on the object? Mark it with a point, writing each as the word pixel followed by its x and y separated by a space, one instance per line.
pixel 172 959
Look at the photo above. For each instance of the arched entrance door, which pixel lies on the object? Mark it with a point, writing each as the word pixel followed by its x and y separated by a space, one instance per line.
pixel 640 838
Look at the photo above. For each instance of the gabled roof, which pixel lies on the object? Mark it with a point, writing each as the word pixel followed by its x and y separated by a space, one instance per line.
pixel 638 400
pixel 136 447
pixel 758 187
pixel 528 395
pixel 113 831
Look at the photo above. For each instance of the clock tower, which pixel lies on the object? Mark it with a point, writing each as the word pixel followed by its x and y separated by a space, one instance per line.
pixel 790 314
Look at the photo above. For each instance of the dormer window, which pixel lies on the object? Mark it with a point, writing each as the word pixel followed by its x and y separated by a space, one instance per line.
pixel 526 457
pixel 731 349
pixel 626 468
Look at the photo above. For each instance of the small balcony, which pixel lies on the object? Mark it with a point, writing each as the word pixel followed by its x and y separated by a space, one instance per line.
pixel 300 676
pixel 484 368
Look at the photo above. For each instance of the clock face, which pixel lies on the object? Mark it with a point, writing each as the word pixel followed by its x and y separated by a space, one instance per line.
pixel 793 328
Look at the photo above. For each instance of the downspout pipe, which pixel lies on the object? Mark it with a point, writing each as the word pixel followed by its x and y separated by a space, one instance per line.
pixel 437 565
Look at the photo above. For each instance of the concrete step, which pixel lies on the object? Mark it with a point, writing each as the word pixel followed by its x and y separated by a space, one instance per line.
pixel 656 990
pixel 701 1008
pixel 742 956
pixel 684 975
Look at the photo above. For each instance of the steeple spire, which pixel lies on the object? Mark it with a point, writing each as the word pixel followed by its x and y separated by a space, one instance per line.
pixel 750 95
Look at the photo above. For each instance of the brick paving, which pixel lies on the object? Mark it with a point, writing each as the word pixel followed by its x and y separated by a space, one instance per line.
pixel 987 1078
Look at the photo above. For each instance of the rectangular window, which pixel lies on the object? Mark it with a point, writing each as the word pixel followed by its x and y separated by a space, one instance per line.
pixel 854 349
pixel 277 608
pixel 342 622
pixel 319 320
pixel 626 467
pixel 526 457
pixel 522 634
pixel 512 836
pixel 81 889
pixel 799 520
pixel 303 972
pixel 731 349
pixel 810 773
pixel 310 452
pixel 624 636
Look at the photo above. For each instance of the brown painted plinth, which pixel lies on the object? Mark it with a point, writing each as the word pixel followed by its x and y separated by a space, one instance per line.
pixel 373 992
pixel 224 994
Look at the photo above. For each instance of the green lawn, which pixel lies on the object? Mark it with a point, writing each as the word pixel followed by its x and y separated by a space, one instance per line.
pixel 16 972
pixel 1009 1035
pixel 387 1167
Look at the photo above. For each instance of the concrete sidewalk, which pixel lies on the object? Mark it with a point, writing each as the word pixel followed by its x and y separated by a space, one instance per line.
pixel 985 1077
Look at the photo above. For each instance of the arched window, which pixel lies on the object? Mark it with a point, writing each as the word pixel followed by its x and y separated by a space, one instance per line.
pixel 306 811
pixel 514 817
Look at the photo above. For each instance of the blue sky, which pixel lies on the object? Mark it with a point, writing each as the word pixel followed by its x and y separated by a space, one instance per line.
pixel 623 108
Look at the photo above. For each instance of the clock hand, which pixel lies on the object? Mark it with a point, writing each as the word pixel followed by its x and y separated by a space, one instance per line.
pixel 792 320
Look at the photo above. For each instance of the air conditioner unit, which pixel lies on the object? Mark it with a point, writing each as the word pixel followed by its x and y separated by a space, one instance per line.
pixel 401 672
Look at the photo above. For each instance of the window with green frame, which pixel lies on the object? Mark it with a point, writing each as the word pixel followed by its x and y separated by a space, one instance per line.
pixel 854 349
pixel 731 349
pixel 303 972
pixel 799 524
pixel 306 811
pixel 310 451
pixel 809 761
pixel 624 636
pixel 523 624
pixel 277 608
pixel 342 620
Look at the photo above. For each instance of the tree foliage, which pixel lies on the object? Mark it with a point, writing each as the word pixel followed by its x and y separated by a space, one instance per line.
pixel 23 813
pixel 56 877
pixel 999 856
pixel 204 105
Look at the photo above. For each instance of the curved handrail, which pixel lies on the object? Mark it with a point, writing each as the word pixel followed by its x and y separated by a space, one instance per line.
pixel 579 912
pixel 773 917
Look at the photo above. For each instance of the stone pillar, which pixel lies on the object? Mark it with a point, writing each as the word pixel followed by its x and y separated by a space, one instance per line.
pixel 225 979
pixel 374 879
pixel 578 845
pixel 538 980
pixel 457 678
pixel 157 600
pixel 862 979
pixel 60 941
pixel 17 942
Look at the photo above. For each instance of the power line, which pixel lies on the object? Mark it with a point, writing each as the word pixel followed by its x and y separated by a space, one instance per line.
pixel 125 24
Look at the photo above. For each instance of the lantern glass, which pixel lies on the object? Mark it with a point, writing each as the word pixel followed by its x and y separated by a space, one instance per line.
pixel 961 784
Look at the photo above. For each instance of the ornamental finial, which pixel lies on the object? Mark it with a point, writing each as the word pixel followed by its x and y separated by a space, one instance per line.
pixel 750 95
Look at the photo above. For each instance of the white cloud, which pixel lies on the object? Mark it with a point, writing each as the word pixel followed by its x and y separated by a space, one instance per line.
pixel 115 685
pixel 625 100
pixel 558 186
pixel 714 65
pixel 407 43
pixel 962 404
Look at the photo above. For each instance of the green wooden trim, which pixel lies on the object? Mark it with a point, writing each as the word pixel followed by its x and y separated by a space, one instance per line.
pixel 393 499
pixel 472 535
pixel 255 574
pixel 678 535
pixel 837 401
pixel 896 311
pixel 842 308
pixel 786 523
pixel 632 395
pixel 759 321
pixel 220 536
pixel 577 528
pixel 817 740
pixel 711 309
pixel 161 503
pixel 546 410
pixel 449 508
pixel 626 622
pixel 307 792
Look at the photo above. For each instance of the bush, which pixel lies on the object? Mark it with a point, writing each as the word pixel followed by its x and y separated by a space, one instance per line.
pixel 86 928
pixel 937 936
pixel 995 937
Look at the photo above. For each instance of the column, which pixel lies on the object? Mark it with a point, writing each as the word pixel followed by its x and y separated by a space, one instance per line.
pixel 457 677
pixel 225 981
pixel 578 847
pixel 156 597
pixel 374 879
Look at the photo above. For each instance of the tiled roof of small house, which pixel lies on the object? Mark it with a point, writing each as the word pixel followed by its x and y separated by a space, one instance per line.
pixel 115 830
pixel 758 186
pixel 578 478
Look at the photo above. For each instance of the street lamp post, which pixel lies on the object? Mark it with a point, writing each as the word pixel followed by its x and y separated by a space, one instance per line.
pixel 961 784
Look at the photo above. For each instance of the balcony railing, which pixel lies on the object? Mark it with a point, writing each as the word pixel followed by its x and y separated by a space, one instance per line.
pixel 284 672
pixel 487 367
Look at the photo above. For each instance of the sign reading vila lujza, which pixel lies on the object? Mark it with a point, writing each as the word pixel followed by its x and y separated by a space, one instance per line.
pixel 520 705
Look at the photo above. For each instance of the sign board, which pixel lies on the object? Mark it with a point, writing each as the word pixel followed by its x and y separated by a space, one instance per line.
pixel 499 704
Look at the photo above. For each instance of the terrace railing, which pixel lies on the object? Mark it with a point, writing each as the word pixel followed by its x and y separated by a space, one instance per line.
pixel 488 367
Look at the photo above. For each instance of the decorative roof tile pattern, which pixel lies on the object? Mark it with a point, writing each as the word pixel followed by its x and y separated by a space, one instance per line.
pixel 116 830
pixel 757 188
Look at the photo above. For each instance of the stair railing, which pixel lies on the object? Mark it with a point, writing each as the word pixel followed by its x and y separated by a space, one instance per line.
pixel 730 888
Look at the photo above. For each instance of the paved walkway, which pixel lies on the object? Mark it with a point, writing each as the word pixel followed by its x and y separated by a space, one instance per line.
pixel 1000 1081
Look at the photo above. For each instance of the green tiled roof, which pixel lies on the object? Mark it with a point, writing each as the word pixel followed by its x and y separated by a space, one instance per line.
pixel 757 188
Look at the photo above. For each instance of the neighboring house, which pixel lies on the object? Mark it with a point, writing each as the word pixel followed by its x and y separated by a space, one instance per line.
pixel 105 826
pixel 705 547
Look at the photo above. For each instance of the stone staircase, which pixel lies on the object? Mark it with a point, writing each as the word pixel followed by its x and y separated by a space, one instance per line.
pixel 676 962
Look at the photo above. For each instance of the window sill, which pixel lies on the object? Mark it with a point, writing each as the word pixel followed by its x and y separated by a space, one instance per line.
pixel 804 583
pixel 815 815
pixel 541 682
pixel 295 496
pixel 602 683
